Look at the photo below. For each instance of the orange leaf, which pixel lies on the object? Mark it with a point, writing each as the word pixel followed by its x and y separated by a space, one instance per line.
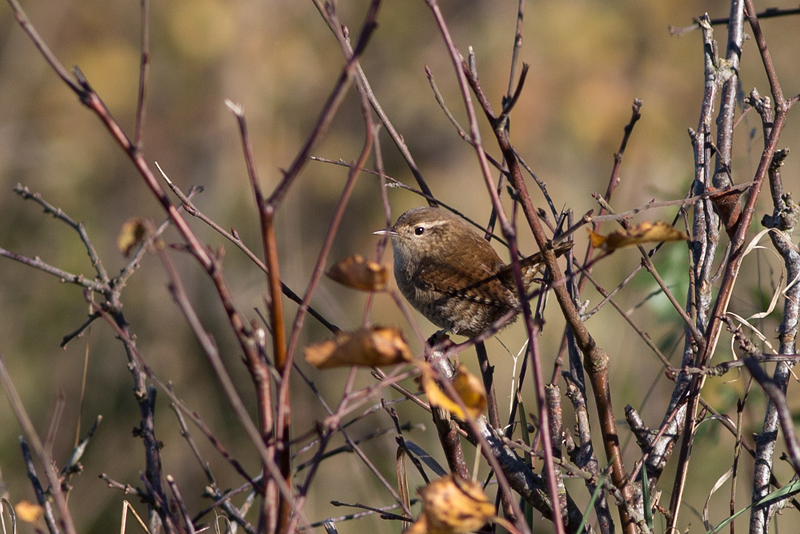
pixel 358 273
pixel 645 232
pixel 375 346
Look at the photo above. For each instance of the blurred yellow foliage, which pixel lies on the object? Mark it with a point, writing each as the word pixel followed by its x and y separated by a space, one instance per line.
pixel 112 69
pixel 202 29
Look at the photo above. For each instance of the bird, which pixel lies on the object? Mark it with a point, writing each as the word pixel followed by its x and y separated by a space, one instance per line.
pixel 453 276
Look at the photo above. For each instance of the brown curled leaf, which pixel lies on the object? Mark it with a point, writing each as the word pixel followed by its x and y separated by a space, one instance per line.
pixel 373 347
pixel 728 207
pixel 359 273
pixel 451 505
pixel 645 232
pixel 468 387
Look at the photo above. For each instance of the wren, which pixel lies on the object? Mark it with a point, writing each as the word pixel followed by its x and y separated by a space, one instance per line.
pixel 453 276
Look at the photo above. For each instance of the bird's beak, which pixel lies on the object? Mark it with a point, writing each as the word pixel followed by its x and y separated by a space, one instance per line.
pixel 389 231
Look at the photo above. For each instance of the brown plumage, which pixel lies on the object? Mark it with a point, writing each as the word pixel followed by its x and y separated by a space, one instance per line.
pixel 453 276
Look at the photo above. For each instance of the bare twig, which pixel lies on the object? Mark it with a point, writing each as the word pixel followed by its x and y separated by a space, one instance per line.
pixel 770 12
pixel 72 463
pixel 596 358
pixel 187 519
pixel 41 496
pixel 778 397
pixel 144 67
pixel 234 238
pixel 735 258
pixel 32 437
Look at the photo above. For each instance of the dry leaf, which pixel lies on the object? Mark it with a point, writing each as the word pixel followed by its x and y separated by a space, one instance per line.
pixel 452 506
pixel 470 389
pixel 645 232
pixel 373 347
pixel 468 386
pixel 28 511
pixel 358 273
pixel 131 234
pixel 402 481
pixel 728 206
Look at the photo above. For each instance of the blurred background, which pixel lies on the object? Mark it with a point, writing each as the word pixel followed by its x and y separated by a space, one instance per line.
pixel 588 59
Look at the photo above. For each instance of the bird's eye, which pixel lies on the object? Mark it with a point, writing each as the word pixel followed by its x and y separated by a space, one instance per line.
pixel 419 230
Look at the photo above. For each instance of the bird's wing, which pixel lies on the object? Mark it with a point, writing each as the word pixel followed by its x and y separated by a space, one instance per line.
pixel 534 261
pixel 452 279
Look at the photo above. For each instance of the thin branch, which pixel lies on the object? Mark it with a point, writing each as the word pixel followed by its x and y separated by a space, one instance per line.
pixel 737 249
pixel 55 64
pixel 32 437
pixel 623 215
pixel 705 236
pixel 187 519
pixel 596 358
pixel 254 361
pixel 330 108
pixel 26 194
pixel 440 100
pixel 72 463
pixel 65 277
pixel 768 13
pixel 512 73
pixel 234 238
pixel 778 397
pixel 206 342
pixel 41 495
pixel 144 66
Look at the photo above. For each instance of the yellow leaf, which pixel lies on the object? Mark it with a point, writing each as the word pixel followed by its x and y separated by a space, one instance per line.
pixel 645 232
pixel 131 234
pixel 358 273
pixel 373 347
pixel 452 506
pixel 596 239
pixel 29 512
pixel 468 387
